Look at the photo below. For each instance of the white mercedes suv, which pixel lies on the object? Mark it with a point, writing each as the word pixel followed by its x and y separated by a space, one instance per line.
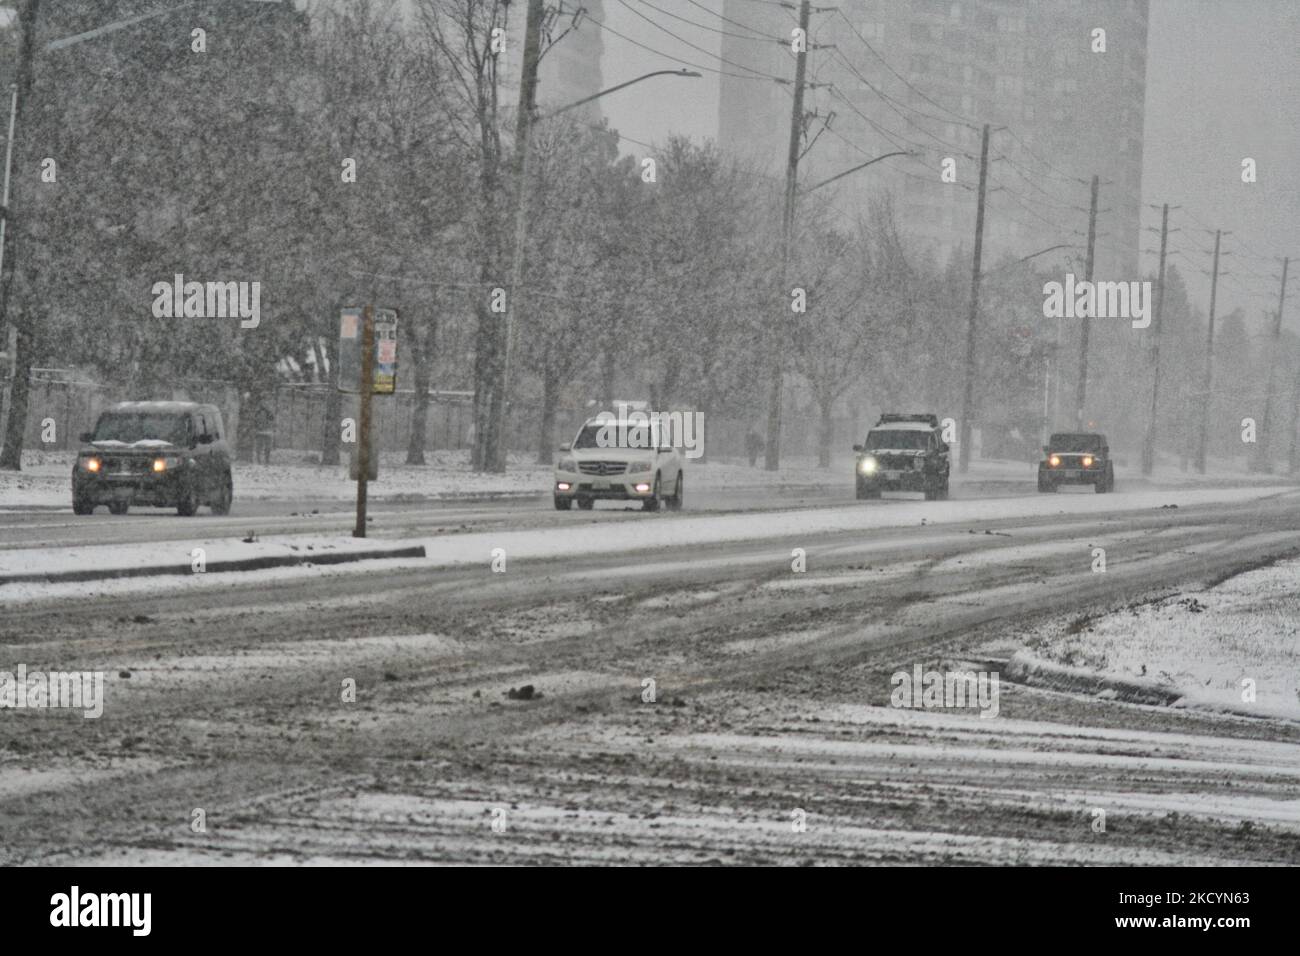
pixel 616 459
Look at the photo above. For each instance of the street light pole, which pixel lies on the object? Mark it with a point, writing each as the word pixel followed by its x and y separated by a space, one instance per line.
pixel 495 457
pixel 4 203
pixel 968 386
pixel 20 341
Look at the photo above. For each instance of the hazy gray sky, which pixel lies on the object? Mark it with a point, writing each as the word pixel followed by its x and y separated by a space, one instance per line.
pixel 1223 83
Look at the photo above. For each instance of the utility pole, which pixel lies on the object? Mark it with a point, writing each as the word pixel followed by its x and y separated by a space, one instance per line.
pixel 495 449
pixel 1082 393
pixel 20 337
pixel 772 451
pixel 1209 359
pixel 1149 445
pixel 967 397
pixel 1293 460
pixel 1263 462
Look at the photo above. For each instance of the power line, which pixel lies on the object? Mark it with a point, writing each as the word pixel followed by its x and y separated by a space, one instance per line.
pixel 734 23
pixel 699 49
pixel 677 59
pixel 888 101
pixel 964 120
pixel 1023 145
pixel 761 38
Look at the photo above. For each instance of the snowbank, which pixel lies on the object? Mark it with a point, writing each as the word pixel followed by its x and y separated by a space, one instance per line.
pixel 1200 648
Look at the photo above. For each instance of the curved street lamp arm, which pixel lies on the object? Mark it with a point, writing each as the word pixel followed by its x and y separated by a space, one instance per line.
pixel 614 89
pixel 827 182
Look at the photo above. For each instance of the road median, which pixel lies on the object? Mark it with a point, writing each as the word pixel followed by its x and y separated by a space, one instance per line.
pixel 107 562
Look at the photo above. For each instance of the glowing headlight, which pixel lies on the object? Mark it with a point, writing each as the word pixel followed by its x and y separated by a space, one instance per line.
pixel 567 464
pixel 1054 461
pixel 1087 461
pixel 163 464
pixel 635 466
pixel 91 464
pixel 868 465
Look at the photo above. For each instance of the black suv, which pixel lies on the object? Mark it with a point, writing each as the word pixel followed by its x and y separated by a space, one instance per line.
pixel 903 453
pixel 164 454
pixel 1076 458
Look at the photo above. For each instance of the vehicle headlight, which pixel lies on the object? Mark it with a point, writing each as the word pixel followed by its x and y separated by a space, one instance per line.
pixel 635 466
pixel 868 465
pixel 1054 461
pixel 91 464
pixel 1087 461
pixel 567 464
pixel 166 463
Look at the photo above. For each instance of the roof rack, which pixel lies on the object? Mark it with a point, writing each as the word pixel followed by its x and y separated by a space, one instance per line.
pixel 888 417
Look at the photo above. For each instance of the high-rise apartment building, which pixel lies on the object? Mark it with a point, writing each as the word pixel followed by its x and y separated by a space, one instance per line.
pixel 1063 100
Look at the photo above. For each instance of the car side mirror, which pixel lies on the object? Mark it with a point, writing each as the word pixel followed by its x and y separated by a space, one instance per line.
pixel 1047 449
pixel 857 448
pixel 565 446
pixel 87 436
pixel 204 439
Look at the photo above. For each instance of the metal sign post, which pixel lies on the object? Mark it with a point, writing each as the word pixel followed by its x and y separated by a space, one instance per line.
pixel 365 388
pixel 368 356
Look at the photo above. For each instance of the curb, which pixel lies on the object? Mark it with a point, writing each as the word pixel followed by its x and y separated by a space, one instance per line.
pixel 241 564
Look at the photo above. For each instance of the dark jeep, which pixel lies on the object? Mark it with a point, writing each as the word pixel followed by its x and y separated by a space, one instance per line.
pixel 162 454
pixel 1076 458
pixel 903 453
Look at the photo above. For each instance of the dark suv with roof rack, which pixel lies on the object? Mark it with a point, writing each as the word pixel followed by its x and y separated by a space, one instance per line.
pixel 903 453
pixel 161 454
pixel 1076 458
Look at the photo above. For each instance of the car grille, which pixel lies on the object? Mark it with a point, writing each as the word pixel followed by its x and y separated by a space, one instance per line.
pixel 127 466
pixel 896 462
pixel 602 467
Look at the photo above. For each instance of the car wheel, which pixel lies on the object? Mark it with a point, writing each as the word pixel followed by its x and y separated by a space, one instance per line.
pixel 221 506
pixel 652 503
pixel 675 502
pixel 931 491
pixel 1045 485
pixel 586 504
pixel 82 507
pixel 189 502
pixel 119 507
pixel 563 504
pixel 943 489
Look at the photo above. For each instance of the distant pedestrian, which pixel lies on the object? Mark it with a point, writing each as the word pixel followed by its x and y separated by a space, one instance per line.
pixel 264 436
pixel 753 447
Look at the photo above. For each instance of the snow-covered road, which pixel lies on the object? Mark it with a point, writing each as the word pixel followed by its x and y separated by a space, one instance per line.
pixel 772 694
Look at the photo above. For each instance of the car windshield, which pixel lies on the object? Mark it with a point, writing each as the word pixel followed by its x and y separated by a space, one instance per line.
pixel 131 427
pixel 898 438
pixel 611 435
pixel 1075 443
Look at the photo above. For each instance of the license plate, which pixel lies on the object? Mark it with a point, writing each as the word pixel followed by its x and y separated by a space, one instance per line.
pixel 1072 473
pixel 893 475
pixel 600 485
